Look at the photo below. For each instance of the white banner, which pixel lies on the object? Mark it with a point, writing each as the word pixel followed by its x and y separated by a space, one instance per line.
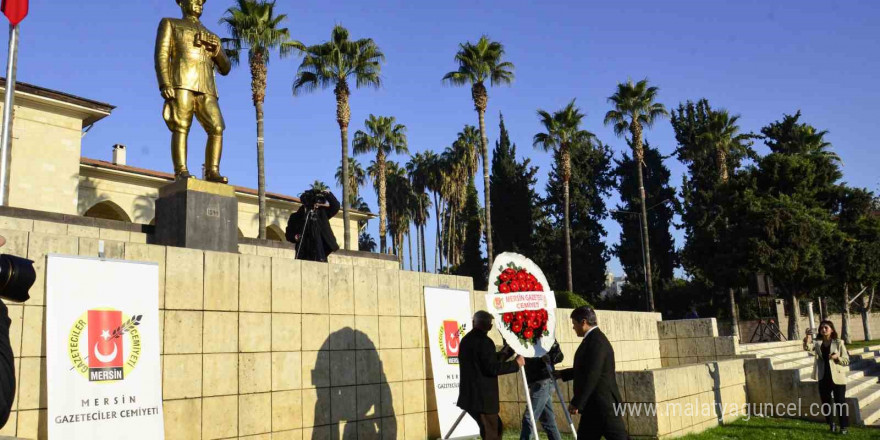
pixel 102 349
pixel 449 319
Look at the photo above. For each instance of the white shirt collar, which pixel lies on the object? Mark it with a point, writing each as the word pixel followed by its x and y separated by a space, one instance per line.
pixel 591 329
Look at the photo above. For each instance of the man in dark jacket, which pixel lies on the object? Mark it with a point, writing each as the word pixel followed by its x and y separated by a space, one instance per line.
pixel 595 385
pixel 541 393
pixel 309 226
pixel 480 367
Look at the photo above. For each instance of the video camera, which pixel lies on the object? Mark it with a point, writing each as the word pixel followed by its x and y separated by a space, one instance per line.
pixel 17 275
pixel 313 197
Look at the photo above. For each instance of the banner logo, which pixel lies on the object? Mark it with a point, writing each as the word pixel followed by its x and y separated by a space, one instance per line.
pixel 112 344
pixel 450 340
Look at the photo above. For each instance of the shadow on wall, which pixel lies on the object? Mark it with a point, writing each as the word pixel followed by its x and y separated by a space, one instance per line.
pixel 359 396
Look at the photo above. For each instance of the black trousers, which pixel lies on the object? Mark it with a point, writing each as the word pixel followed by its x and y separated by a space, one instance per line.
pixel 596 424
pixel 7 367
pixel 836 406
pixel 490 425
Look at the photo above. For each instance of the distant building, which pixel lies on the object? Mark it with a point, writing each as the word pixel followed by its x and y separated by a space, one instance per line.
pixel 613 285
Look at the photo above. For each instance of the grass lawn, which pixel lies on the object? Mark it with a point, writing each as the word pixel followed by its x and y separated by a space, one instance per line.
pixel 762 429
pixel 862 344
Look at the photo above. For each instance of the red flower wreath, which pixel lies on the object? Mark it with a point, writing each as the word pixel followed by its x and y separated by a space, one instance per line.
pixel 527 325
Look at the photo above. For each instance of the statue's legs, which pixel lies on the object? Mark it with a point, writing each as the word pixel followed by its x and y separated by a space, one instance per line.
pixel 208 113
pixel 178 113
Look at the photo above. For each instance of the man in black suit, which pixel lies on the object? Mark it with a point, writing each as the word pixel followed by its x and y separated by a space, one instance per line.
pixel 479 367
pixel 595 385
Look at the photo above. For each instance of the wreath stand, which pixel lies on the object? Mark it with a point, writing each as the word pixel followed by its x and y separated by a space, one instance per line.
pixel 561 403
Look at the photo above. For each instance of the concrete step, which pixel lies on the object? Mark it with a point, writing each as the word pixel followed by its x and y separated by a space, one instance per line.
pixel 867 394
pixel 867 384
pixel 762 346
pixel 788 362
pixel 864 349
pixel 871 413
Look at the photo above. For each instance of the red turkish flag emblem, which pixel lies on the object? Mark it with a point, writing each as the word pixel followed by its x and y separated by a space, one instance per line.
pixel 452 338
pixel 105 351
pixel 15 10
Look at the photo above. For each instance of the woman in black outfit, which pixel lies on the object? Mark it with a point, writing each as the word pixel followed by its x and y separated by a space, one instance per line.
pixel 830 369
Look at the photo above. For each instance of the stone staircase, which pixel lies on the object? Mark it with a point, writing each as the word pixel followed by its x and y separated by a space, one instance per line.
pixel 862 391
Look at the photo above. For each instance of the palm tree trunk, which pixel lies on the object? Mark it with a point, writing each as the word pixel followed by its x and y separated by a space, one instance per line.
pixel 418 250
pixel 437 239
pixel 568 278
pixel 380 162
pixel 733 315
pixel 409 245
pixel 485 141
pixel 794 313
pixel 844 326
pixel 343 115
pixel 424 252
pixel 261 173
pixel 636 130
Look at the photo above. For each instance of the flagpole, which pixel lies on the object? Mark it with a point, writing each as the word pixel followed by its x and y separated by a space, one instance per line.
pixel 8 102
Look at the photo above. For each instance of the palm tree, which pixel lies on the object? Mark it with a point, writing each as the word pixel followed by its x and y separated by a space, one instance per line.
pixel 334 63
pixel 357 177
pixel 634 108
pixel 476 64
pixel 458 167
pixel 399 201
pixel 366 242
pixel 417 167
pixel 318 185
pixel 723 135
pixel 435 185
pixel 562 131
pixel 384 136
pixel 254 26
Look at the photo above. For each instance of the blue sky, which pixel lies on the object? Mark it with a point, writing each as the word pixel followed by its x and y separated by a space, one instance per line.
pixel 759 59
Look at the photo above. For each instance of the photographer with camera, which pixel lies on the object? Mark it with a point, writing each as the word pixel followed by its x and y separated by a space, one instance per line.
pixel 17 275
pixel 309 227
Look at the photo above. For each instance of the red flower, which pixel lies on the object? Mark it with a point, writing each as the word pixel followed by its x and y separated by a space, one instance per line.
pixel 504 288
pixel 534 324
pixel 532 278
pixel 520 316
pixel 521 275
pixel 514 286
pixel 528 333
pixel 516 327
pixel 540 287
pixel 507 317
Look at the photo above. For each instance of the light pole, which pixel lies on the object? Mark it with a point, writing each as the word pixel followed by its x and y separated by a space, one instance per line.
pixel 644 251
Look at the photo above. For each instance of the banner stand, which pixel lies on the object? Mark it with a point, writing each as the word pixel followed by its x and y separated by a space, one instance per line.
pixel 455 425
pixel 522 370
pixel 562 402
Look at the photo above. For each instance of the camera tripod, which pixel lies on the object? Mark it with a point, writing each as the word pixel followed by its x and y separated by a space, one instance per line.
pixel 302 236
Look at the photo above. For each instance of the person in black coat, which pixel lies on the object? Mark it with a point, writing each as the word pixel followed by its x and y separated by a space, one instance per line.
pixel 315 240
pixel 595 391
pixel 479 367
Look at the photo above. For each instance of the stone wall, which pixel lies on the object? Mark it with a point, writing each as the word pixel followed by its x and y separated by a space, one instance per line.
pixel 689 341
pixel 254 343
pixel 258 343
pixel 688 399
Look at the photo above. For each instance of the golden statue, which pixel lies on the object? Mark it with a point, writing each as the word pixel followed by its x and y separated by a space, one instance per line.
pixel 186 55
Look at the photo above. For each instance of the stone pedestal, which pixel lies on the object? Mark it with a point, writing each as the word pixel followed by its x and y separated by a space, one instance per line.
pixel 196 214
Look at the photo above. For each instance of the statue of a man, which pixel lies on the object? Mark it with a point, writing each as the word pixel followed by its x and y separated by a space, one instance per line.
pixel 186 56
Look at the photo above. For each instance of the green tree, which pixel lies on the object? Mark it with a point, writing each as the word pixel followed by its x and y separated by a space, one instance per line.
pixel 714 150
pixel 254 27
pixel 562 132
pixel 478 63
pixel 473 265
pixel 662 201
pixel 514 198
pixel 786 213
pixel 434 171
pixel 634 109
pixel 318 185
pixel 590 183
pixel 335 63
pixel 384 136
pixel 366 243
